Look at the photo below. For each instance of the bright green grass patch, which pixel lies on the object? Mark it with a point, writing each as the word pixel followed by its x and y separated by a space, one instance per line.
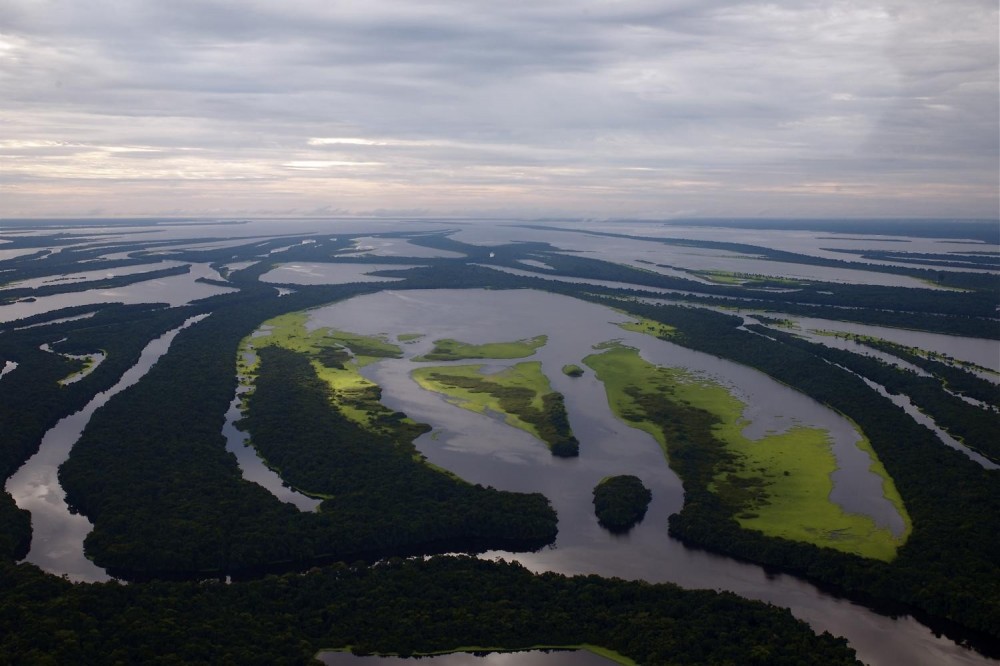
pixel 780 483
pixel 521 393
pixel 409 337
pixel 649 327
pixel 572 370
pixel 522 375
pixel 454 350
pixel 90 363
pixel 337 357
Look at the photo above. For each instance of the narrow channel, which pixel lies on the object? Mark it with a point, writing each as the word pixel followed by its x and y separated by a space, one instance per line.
pixel 251 466
pixel 57 533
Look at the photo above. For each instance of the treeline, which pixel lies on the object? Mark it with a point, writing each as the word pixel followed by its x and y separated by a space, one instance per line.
pixel 166 499
pixel 975 281
pixel 401 607
pixel 977 428
pixel 969 313
pixel 954 378
pixel 950 566
pixel 86 255
pixel 951 260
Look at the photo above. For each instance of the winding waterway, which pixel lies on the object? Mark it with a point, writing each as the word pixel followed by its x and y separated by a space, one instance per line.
pixel 251 465
pixel 57 533
pixel 482 449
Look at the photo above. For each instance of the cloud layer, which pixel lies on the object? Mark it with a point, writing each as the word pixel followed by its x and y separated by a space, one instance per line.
pixel 567 107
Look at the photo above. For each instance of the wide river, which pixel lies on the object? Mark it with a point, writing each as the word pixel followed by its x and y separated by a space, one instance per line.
pixel 482 449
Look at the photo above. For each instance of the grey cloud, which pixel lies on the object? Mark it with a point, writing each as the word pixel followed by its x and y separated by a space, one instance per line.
pixel 791 92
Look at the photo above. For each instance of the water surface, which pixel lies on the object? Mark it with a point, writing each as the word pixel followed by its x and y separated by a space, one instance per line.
pixel 482 449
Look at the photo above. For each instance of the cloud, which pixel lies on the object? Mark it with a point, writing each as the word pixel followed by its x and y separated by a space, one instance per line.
pixel 543 104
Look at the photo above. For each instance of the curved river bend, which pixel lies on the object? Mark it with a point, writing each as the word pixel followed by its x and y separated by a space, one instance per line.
pixel 483 449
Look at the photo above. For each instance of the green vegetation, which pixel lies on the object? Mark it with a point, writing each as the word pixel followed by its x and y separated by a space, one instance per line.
pixel 720 277
pixel 453 350
pixel 404 607
pixel 290 331
pixel 778 485
pixel 337 357
pixel 90 362
pixel 371 474
pixel 166 499
pixel 948 371
pixel 973 425
pixel 948 568
pixel 572 370
pixel 409 337
pixel 621 502
pixel 648 326
pixel 521 393
pixel 152 472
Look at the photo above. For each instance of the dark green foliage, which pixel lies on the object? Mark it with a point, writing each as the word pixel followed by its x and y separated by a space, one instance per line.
pixel 397 607
pixel 152 474
pixel 372 474
pixel 32 400
pixel 954 378
pixel 621 502
pixel 977 428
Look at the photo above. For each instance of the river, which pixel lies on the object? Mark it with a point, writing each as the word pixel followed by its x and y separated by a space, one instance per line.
pixel 484 450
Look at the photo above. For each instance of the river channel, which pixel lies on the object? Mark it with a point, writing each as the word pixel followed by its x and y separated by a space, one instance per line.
pixel 57 534
pixel 482 449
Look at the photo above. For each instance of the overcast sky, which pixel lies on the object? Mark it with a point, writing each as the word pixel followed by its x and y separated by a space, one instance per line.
pixel 611 108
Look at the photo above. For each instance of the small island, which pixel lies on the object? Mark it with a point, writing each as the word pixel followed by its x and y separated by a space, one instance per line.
pixel 455 350
pixel 572 370
pixel 620 502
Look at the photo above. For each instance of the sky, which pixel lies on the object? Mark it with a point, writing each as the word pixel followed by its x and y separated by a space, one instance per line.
pixel 573 108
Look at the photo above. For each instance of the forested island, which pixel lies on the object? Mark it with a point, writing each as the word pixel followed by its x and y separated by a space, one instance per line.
pixel 172 514
pixel 620 502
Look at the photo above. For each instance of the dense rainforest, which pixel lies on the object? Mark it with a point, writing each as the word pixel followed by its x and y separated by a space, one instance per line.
pixel 172 513
pixel 620 502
